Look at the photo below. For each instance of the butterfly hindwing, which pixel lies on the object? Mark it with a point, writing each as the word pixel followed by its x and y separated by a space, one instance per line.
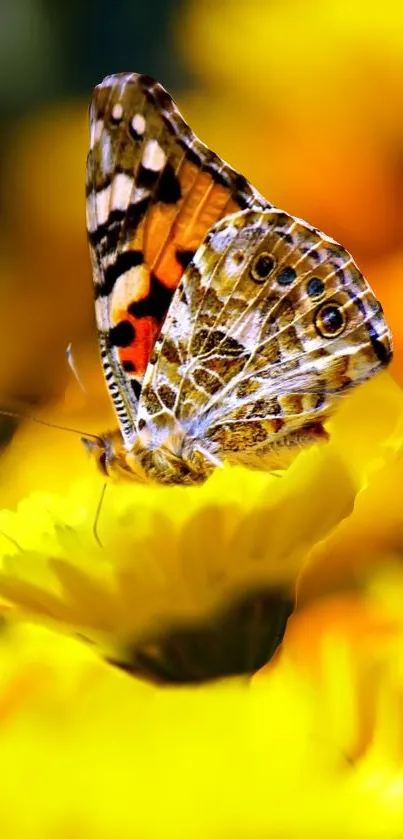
pixel 153 192
pixel 271 321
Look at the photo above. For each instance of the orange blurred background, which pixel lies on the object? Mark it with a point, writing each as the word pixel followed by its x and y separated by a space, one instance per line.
pixel 303 96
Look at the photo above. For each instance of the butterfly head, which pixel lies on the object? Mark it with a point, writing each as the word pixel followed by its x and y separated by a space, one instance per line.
pixel 111 456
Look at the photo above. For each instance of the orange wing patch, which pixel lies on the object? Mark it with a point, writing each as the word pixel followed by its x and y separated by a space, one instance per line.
pixel 167 237
pixel 153 193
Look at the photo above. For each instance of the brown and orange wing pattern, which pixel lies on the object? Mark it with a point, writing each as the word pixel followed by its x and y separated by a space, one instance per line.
pixel 153 193
pixel 271 323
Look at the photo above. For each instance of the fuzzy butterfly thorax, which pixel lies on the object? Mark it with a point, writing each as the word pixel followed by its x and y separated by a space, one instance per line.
pixel 227 328
pixel 175 460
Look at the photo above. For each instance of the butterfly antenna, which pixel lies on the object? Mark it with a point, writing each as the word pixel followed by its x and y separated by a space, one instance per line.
pixel 73 368
pixel 97 515
pixel 17 415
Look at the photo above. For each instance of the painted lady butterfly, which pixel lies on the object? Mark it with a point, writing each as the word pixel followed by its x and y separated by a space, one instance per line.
pixel 227 328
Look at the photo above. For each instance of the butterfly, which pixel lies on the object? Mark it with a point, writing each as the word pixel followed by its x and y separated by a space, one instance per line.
pixel 227 328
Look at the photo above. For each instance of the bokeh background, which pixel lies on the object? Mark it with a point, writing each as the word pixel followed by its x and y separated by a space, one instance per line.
pixel 303 96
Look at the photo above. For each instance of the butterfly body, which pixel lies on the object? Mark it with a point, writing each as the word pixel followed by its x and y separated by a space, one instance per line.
pixel 227 327
pixel 175 460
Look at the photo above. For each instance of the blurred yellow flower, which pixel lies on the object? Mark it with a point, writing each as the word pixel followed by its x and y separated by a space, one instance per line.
pixel 171 556
pixel 360 632
pixel 192 583
pixel 92 752
pixel 373 534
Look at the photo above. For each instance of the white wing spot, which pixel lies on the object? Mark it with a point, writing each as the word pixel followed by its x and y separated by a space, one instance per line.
pixel 235 264
pixel 222 239
pixel 139 194
pixel 130 286
pixel 122 187
pixel 106 154
pixel 154 156
pixel 117 112
pixel 91 213
pixel 96 131
pixel 102 205
pixel 139 124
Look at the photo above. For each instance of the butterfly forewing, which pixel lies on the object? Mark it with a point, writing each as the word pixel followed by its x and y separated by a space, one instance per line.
pixel 226 327
pixel 271 321
pixel 153 193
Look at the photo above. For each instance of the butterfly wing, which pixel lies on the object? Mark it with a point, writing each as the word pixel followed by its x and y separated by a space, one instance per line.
pixel 271 321
pixel 153 192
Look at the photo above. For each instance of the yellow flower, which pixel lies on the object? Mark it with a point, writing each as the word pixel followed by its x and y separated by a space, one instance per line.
pixel 374 533
pixel 169 556
pixel 89 751
pixel 191 583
